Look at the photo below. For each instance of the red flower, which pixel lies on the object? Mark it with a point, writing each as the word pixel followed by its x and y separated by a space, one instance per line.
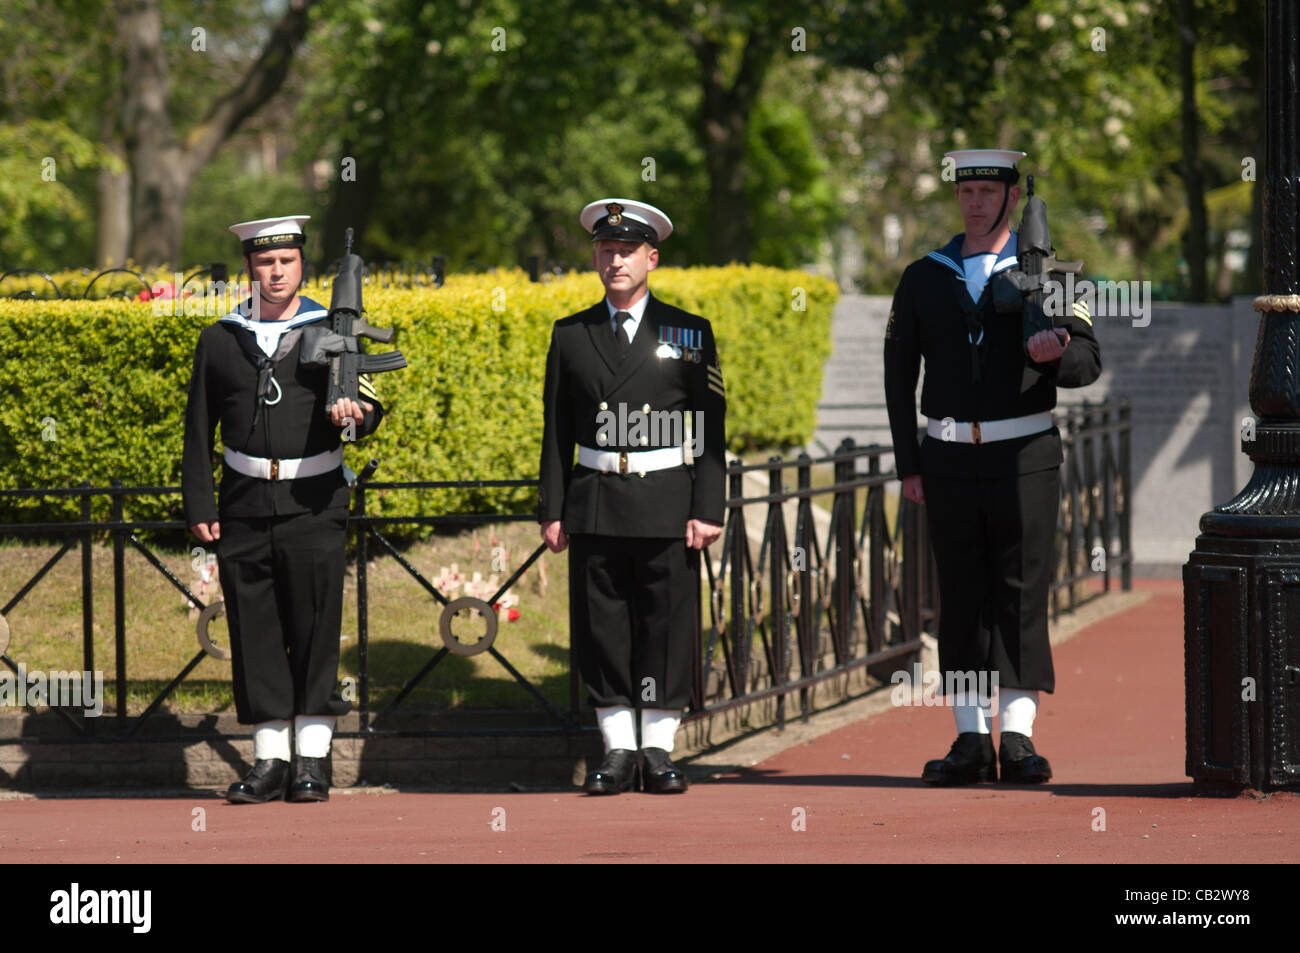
pixel 512 615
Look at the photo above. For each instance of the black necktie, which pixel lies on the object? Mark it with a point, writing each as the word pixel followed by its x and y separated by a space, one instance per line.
pixel 621 339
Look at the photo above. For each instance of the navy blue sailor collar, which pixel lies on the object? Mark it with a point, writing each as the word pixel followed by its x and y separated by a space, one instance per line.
pixel 950 255
pixel 268 333
pixel 308 311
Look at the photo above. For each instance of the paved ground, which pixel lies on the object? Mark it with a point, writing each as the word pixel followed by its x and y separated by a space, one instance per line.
pixel 1113 732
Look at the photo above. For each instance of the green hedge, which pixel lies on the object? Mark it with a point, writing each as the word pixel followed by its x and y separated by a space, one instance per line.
pixel 112 376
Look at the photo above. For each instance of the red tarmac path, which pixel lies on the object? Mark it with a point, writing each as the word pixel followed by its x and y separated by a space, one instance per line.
pixel 1113 732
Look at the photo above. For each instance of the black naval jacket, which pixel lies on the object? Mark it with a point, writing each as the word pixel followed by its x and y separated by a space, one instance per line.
pixel 928 320
pixel 584 376
pixel 223 388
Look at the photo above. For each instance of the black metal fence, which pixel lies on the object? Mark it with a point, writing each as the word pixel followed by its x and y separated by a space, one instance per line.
pixel 809 582
pixel 1095 529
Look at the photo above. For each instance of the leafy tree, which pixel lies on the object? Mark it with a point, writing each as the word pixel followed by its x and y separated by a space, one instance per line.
pixel 1089 88
pixel 509 141
pixel 790 198
pixel 39 210
pixel 52 60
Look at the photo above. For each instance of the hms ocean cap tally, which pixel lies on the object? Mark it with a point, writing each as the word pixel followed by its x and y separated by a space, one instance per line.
pixel 625 220
pixel 267 233
pixel 998 165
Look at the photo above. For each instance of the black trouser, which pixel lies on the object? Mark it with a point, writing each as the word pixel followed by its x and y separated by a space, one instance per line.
pixel 633 608
pixel 993 543
pixel 283 582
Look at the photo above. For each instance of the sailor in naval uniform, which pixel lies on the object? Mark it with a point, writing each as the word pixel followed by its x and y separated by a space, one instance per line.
pixel 987 469
pixel 625 379
pixel 280 526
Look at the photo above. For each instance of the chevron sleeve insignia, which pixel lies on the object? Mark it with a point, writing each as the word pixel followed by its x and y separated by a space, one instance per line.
pixel 1082 313
pixel 716 383
pixel 366 387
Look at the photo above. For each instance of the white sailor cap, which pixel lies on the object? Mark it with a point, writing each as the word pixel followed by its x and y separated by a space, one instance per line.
pixel 625 220
pixel 996 164
pixel 267 233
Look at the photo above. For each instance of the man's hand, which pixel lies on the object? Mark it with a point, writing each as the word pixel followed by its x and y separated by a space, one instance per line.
pixel 207 532
pixel 1048 346
pixel 912 489
pixel 553 536
pixel 346 409
pixel 701 533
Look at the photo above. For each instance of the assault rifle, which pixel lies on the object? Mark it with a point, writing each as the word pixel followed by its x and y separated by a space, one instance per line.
pixel 1038 263
pixel 336 345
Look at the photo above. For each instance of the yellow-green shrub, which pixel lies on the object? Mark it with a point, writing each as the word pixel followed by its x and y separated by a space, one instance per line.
pixel 112 378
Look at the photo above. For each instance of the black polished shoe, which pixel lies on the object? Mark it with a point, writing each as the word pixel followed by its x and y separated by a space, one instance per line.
pixel 311 782
pixel 616 774
pixel 266 782
pixel 1021 764
pixel 659 775
pixel 970 761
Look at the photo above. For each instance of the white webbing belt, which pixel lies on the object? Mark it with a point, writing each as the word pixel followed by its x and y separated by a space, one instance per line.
pixel 989 431
pixel 639 461
pixel 265 469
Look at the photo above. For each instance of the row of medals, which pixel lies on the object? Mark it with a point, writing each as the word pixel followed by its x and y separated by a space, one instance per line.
pixel 692 355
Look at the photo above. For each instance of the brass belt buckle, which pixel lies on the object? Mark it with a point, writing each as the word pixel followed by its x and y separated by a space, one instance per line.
pixel 975 431
pixel 275 469
pixel 622 463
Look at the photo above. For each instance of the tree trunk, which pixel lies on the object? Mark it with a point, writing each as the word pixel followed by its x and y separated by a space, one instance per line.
pixel 722 128
pixel 113 221
pixel 157 205
pixel 350 207
pixel 147 134
pixel 1195 247
pixel 723 136
pixel 162 167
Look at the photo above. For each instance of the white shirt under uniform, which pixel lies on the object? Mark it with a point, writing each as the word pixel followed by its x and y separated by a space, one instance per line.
pixel 637 311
